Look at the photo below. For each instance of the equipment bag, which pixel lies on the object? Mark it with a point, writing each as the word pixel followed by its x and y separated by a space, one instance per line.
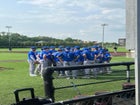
pixel 30 101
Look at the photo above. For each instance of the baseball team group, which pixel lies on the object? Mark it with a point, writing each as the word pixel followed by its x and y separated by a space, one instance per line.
pixel 68 56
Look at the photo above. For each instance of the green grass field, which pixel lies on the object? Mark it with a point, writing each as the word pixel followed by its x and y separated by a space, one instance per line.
pixel 120 49
pixel 14 75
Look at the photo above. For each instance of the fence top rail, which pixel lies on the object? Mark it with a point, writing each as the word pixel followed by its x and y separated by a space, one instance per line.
pixel 91 97
pixel 91 66
pixel 98 96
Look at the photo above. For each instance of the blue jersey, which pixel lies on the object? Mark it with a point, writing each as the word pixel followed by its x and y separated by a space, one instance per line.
pixel 47 54
pixel 57 55
pixel 107 57
pixel 96 52
pixel 88 55
pixel 78 56
pixel 52 51
pixel 41 55
pixel 68 56
pixel 38 54
pixel 31 55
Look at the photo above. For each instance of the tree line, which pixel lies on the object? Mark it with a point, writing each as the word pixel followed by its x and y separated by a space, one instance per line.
pixel 21 41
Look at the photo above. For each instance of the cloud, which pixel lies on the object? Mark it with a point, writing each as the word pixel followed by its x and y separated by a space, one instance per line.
pixel 72 11
pixel 47 3
pixel 76 18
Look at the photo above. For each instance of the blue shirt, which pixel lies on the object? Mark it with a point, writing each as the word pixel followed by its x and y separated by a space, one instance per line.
pixel 68 56
pixel 88 55
pixel 56 55
pixel 38 54
pixel 107 57
pixel 52 51
pixel 47 53
pixel 99 57
pixel 78 56
pixel 31 55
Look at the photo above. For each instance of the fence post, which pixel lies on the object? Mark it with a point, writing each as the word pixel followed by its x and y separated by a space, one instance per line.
pixel 48 83
pixel 128 73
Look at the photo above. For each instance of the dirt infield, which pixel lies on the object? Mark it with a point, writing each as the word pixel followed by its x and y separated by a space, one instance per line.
pixel 118 53
pixel 5 68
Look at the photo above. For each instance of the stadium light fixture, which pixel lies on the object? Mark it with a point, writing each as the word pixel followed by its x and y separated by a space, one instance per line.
pixel 103 25
pixel 8 33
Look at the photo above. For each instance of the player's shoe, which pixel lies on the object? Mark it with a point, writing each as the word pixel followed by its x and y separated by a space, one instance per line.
pixel 33 75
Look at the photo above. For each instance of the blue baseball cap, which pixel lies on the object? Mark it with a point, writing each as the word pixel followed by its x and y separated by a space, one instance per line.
pixel 68 48
pixel 60 46
pixel 85 48
pixel 52 47
pixel 45 47
pixel 33 47
pixel 78 47
pixel 94 47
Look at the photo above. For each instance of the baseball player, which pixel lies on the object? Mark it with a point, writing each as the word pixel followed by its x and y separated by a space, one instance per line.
pixel 106 59
pixel 88 60
pixel 45 59
pixel 68 60
pixel 32 60
pixel 78 59
pixel 51 51
pixel 59 63
pixel 38 67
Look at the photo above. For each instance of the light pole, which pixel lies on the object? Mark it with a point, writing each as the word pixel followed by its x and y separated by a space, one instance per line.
pixel 103 25
pixel 8 33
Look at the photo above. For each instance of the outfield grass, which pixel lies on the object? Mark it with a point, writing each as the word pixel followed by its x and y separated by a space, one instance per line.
pixel 15 76
pixel 120 49
pixel 13 56
pixel 15 49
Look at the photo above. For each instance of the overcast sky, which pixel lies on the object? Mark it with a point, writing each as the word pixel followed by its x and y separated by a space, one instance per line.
pixel 79 19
